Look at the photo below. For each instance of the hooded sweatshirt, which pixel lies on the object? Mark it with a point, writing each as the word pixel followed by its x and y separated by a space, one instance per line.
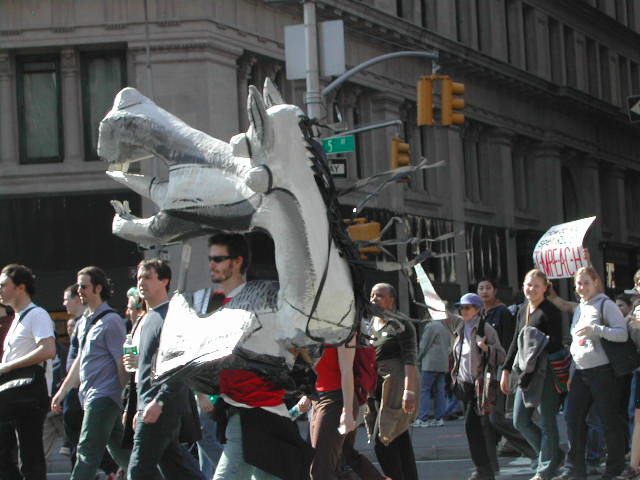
pixel 587 352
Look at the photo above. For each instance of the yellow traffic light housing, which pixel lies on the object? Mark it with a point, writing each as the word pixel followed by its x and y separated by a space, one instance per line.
pixel 425 101
pixel 362 230
pixel 450 105
pixel 400 154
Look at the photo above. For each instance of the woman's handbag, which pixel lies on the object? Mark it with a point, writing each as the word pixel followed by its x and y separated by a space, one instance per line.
pixel 623 356
pixel 560 363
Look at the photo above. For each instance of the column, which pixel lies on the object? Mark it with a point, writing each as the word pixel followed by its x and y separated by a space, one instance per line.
pixel 449 145
pixel 501 147
pixel 591 204
pixel 8 135
pixel 546 192
pixel 71 111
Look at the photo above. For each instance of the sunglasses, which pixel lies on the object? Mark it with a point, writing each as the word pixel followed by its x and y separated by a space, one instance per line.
pixel 82 287
pixel 219 258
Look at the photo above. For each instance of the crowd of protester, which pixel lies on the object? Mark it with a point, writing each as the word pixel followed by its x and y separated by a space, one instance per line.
pixel 507 370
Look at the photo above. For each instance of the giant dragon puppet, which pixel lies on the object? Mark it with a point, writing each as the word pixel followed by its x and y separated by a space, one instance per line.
pixel 272 178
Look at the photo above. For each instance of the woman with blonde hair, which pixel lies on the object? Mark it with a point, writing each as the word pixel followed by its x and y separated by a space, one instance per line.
pixel 537 338
pixel 596 317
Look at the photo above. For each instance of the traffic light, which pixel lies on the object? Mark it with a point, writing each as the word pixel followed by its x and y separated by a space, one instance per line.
pixel 400 155
pixel 425 101
pixel 362 230
pixel 451 105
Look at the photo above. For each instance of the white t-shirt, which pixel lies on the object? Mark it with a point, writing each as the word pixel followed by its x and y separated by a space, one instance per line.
pixel 23 336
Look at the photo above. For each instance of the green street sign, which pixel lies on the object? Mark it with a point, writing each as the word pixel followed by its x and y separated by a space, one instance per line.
pixel 339 144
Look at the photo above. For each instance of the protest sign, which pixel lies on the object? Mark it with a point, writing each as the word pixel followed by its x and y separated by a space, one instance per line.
pixel 559 252
pixel 434 303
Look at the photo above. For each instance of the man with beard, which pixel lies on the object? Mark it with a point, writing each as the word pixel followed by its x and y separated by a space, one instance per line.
pixel 99 372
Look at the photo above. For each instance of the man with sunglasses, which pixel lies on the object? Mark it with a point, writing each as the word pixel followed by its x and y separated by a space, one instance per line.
pixel 99 372
pixel 228 262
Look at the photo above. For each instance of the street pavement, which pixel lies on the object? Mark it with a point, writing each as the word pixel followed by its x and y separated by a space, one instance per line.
pixel 441 453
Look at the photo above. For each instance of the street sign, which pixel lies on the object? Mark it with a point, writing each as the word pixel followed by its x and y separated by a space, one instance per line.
pixel 633 103
pixel 331 56
pixel 338 167
pixel 339 144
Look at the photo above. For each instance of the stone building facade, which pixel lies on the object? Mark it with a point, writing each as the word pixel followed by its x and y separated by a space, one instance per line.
pixel 546 137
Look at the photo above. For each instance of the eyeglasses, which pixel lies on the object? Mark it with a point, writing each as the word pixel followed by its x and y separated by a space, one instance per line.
pixel 82 287
pixel 219 258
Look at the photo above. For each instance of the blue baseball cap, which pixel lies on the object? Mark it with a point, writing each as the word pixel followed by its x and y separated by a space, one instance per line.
pixel 470 299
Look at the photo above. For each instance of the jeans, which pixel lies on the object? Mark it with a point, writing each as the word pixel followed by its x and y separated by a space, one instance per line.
pixel 101 427
pixel 504 427
pixel 601 387
pixel 453 406
pixel 157 453
pixel 543 438
pixel 595 437
pixel 209 448
pixel 432 382
pixel 232 465
pixel 27 427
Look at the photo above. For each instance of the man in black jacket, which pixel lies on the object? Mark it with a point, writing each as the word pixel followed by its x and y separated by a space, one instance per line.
pixel 161 407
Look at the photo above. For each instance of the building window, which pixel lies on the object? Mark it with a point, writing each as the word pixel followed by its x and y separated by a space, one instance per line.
pixel 39 109
pixel 605 73
pixel 514 39
pixel 530 44
pixel 592 68
pixel 624 80
pixel 555 51
pixel 635 78
pixel 570 56
pixel 103 75
pixel 487 253
pixel 633 200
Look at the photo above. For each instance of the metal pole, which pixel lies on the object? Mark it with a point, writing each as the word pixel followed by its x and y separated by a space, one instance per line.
pixel 345 76
pixel 147 50
pixel 312 99
pixel 368 128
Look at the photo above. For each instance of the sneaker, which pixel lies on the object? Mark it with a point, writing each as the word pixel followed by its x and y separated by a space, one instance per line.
pixel 421 423
pixel 64 450
pixel 437 423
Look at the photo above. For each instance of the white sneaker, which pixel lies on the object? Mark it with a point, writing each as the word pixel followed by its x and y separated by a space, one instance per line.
pixel 420 423
pixel 437 423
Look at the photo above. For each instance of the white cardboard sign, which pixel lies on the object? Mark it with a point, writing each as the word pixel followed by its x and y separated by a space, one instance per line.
pixel 434 303
pixel 559 252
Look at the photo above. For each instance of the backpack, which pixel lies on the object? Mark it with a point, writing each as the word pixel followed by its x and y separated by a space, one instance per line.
pixel 365 371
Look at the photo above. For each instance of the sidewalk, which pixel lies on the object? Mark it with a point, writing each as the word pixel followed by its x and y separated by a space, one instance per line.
pixel 434 443
pixel 448 442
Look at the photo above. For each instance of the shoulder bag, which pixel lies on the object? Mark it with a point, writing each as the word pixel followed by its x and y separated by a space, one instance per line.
pixel 23 389
pixel 623 356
